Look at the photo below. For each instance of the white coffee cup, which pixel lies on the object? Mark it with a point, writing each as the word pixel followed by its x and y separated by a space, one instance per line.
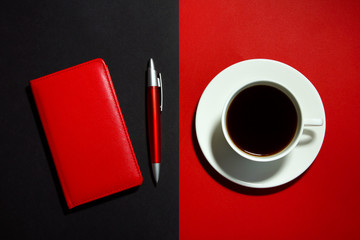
pixel 301 123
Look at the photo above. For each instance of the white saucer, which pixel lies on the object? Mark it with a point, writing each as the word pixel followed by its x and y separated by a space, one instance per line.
pixel 223 158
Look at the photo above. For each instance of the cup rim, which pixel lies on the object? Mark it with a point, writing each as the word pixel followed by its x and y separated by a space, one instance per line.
pixel 290 146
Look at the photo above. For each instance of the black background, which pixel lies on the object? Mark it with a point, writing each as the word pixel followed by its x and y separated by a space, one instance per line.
pixel 41 37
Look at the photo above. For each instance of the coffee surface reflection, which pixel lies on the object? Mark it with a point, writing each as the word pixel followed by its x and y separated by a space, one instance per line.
pixel 261 120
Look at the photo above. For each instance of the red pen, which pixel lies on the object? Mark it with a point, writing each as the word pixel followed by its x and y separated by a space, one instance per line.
pixel 154 107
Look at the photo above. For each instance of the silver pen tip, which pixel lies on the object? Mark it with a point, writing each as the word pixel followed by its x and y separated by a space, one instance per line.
pixel 156 171
pixel 151 63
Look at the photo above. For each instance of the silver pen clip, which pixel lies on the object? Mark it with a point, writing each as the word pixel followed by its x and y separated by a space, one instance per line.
pixel 159 79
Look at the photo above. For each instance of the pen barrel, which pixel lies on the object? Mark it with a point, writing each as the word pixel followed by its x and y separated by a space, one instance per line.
pixel 153 117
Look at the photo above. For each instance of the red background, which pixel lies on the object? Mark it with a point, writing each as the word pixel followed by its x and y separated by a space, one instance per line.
pixel 321 39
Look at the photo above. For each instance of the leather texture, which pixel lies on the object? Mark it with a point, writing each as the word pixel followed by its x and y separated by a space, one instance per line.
pixel 86 132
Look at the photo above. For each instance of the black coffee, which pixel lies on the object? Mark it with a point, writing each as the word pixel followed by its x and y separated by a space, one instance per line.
pixel 261 120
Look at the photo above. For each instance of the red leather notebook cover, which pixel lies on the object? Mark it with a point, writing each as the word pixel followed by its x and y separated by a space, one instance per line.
pixel 86 132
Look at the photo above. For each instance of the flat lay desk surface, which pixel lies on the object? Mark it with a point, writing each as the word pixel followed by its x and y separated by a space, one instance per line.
pixel 321 40
pixel 191 42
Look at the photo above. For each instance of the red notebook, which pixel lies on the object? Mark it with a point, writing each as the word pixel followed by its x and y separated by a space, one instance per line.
pixel 86 132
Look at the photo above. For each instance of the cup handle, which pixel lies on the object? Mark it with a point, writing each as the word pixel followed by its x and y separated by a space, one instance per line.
pixel 313 122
